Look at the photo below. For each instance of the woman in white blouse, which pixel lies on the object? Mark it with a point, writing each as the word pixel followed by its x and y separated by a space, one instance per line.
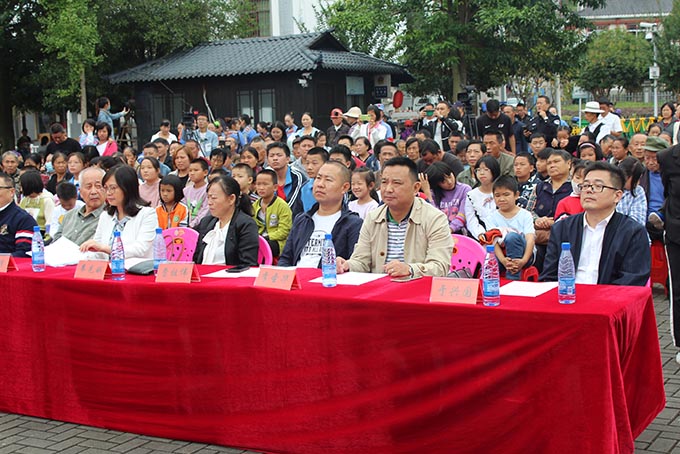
pixel 126 212
pixel 228 236
pixel 480 204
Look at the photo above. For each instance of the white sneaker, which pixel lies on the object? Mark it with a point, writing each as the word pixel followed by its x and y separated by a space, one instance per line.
pixel 677 358
pixel 655 220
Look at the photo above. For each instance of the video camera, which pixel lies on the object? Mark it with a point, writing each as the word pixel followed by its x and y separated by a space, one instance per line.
pixel 468 98
pixel 189 119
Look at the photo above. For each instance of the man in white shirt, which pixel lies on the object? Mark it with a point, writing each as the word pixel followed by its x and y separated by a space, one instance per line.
pixel 596 127
pixel 609 118
pixel 608 247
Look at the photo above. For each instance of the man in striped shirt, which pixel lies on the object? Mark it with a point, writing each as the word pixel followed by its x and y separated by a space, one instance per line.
pixel 406 237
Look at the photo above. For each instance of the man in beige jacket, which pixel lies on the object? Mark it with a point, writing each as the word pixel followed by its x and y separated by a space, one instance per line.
pixel 405 237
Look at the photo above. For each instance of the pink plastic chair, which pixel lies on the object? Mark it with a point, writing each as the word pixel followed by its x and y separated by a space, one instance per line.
pixel 467 253
pixel 180 243
pixel 264 252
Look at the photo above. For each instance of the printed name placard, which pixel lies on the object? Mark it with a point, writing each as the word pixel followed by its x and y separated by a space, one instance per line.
pixel 92 269
pixel 180 272
pixel 282 278
pixel 452 290
pixel 7 263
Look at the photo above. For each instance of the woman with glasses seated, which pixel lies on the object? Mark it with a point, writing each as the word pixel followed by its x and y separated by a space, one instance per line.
pixel 228 236
pixel 125 212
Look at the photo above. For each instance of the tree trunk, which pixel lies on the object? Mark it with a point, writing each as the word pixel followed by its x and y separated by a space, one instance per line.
pixel 83 96
pixel 6 121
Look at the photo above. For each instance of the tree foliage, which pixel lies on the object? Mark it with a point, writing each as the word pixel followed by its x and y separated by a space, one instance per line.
pixel 367 26
pixel 668 48
pixel 614 59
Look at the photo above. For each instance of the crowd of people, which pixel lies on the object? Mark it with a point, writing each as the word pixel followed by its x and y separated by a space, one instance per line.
pixel 391 195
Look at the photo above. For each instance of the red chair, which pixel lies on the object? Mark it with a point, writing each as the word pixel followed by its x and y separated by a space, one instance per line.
pixel 264 252
pixel 659 274
pixel 180 243
pixel 467 253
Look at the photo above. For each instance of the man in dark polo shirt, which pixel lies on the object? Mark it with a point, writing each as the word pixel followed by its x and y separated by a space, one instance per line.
pixel 61 142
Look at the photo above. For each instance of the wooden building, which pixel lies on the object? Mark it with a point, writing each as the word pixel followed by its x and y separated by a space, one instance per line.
pixel 263 77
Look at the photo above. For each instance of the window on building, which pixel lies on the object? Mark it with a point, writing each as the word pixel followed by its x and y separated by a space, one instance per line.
pixel 244 100
pixel 267 105
pixel 263 17
pixel 167 106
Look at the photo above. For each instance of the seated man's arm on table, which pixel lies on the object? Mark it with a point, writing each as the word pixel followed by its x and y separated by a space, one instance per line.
pixel 439 248
pixel 636 261
pixel 361 259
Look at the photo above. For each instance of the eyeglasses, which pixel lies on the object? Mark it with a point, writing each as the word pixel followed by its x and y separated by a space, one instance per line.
pixel 6 187
pixel 111 189
pixel 481 170
pixel 595 187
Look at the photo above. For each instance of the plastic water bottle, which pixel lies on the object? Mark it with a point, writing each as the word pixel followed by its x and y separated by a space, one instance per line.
pixel 117 258
pixel 159 253
pixel 566 276
pixel 490 279
pixel 328 263
pixel 37 251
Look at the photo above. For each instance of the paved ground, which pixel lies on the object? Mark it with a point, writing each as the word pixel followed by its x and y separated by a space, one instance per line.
pixel 26 435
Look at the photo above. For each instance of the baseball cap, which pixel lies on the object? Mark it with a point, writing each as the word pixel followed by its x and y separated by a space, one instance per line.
pixel 656 144
pixel 336 113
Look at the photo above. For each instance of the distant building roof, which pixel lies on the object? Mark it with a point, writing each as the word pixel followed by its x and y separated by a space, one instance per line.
pixel 629 9
pixel 238 57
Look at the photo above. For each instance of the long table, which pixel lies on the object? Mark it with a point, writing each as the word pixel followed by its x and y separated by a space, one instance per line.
pixel 374 368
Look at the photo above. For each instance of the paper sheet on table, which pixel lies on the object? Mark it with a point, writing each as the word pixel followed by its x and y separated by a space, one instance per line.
pixel 252 272
pixel 353 278
pixel 63 252
pixel 529 289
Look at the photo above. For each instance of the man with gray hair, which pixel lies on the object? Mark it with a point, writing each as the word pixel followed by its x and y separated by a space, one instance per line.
pixel 80 225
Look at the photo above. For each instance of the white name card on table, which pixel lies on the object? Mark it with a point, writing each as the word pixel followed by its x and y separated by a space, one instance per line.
pixel 93 269
pixel 7 263
pixel 178 272
pixel 278 277
pixel 353 278
pixel 525 288
pixel 453 290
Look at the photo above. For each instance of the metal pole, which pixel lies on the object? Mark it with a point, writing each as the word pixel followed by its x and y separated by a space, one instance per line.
pixel 656 91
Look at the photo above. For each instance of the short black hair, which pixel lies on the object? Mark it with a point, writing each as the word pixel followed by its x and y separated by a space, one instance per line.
pixel 565 155
pixel 150 145
pixel 476 142
pixel 346 136
pixel 218 152
pixel 425 132
pixel 312 138
pixel 271 173
pixel 617 176
pixel 492 105
pixel 429 146
pixel 496 133
pixel 318 151
pixel 202 162
pixel 383 143
pixel 506 182
pixel 537 135
pixel 280 145
pixel 544 153
pixel 344 151
pixel 491 164
pixel 101 125
pixel 177 185
pixel 66 190
pixel 56 128
pixel 529 157
pixel 162 141
pixel 406 162
pixel 249 170
pixel 31 182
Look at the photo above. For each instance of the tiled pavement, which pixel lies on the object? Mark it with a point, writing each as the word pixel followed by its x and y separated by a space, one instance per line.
pixel 26 435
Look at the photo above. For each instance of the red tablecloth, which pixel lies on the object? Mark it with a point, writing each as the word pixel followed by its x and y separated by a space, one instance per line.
pixel 374 368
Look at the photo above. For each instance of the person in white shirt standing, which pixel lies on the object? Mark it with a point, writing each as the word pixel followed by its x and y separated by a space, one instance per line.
pixel 609 118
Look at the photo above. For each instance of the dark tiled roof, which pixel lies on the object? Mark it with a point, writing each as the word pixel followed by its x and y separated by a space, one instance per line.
pixel 629 8
pixel 304 52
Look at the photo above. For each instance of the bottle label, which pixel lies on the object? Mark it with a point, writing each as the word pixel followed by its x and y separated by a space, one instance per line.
pixel 38 257
pixel 491 287
pixel 567 286
pixel 117 266
pixel 329 271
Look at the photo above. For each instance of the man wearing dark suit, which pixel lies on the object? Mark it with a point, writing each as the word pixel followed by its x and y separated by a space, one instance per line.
pixel 608 247
pixel 669 164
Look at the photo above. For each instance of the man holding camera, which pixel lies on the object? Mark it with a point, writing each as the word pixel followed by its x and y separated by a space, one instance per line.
pixel 442 126
pixel 206 139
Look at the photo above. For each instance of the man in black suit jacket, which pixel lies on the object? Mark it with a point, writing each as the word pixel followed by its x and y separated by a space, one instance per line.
pixel 623 257
pixel 669 164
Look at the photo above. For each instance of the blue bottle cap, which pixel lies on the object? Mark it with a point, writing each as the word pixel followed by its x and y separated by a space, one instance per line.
pixel 115 234
pixel 329 236
pixel 566 246
pixel 159 230
pixel 489 248
pixel 36 228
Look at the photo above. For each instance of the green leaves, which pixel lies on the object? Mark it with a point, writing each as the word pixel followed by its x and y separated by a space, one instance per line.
pixel 615 58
